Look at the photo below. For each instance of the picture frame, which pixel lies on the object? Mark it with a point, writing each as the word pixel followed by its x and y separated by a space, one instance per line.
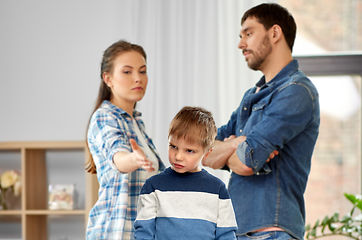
pixel 61 196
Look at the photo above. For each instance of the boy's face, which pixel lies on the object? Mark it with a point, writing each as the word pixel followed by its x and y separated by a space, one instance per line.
pixel 184 156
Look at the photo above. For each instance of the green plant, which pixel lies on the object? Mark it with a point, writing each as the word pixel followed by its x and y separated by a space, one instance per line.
pixel 348 225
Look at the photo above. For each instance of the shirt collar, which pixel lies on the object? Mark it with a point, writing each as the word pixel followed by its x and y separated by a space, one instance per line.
pixel 108 105
pixel 287 71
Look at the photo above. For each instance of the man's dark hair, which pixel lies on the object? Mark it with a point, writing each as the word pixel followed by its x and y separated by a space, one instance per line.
pixel 270 14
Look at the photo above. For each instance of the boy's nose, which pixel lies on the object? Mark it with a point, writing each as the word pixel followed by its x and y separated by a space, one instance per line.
pixel 179 157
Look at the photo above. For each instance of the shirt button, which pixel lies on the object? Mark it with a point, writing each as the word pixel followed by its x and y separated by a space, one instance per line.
pixel 245 108
pixel 241 130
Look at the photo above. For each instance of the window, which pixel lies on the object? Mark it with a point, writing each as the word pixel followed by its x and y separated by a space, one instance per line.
pixel 329 45
pixel 336 162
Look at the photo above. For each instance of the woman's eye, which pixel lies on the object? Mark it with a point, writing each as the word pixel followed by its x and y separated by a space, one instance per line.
pixel 126 72
pixel 143 72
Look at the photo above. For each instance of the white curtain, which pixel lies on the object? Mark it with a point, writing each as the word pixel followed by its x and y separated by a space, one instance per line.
pixel 51 51
pixel 192 60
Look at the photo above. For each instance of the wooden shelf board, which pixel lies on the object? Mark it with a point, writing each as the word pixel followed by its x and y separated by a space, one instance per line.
pixel 55 212
pixel 10 212
pixel 43 145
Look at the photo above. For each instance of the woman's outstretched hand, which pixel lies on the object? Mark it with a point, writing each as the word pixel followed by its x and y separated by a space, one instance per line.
pixel 139 157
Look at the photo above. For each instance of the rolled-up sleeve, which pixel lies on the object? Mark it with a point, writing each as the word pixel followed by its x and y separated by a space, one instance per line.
pixel 277 124
pixel 245 153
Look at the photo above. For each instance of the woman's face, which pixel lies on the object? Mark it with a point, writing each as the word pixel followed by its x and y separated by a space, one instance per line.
pixel 128 81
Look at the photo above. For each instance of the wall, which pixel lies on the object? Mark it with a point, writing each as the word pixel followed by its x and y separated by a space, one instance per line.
pixel 50 54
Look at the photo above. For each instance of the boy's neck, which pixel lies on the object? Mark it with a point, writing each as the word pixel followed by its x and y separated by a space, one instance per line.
pixel 198 170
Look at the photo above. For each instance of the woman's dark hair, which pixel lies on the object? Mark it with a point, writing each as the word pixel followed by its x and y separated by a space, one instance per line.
pixel 105 93
pixel 270 14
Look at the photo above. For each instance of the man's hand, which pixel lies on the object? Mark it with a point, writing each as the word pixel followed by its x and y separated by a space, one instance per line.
pixel 272 155
pixel 222 151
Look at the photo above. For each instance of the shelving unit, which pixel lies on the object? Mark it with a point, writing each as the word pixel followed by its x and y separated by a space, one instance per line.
pixel 41 164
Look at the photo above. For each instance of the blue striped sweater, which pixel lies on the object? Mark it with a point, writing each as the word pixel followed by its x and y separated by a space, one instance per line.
pixel 185 206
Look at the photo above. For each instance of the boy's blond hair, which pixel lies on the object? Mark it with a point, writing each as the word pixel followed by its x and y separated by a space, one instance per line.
pixel 195 125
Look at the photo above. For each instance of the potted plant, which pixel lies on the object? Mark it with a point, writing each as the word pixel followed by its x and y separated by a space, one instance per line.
pixel 348 226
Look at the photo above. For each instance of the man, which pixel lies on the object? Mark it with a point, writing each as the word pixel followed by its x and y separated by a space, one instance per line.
pixel 269 139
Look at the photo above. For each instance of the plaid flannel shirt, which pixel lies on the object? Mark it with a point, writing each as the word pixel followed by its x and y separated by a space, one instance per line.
pixel 113 214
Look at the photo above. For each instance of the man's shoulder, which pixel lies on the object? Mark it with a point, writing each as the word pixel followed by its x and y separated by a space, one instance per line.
pixel 297 78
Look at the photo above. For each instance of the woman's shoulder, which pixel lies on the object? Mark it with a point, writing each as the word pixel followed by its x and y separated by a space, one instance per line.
pixel 108 111
pixel 102 115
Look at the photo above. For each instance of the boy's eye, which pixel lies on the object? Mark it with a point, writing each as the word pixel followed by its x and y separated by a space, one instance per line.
pixel 190 151
pixel 172 146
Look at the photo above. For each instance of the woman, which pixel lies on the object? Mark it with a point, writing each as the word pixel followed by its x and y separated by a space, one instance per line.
pixel 122 154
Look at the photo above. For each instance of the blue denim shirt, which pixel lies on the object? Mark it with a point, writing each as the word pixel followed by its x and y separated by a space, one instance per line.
pixel 284 116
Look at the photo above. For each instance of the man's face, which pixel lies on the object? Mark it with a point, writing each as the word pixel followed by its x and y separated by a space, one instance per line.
pixel 255 43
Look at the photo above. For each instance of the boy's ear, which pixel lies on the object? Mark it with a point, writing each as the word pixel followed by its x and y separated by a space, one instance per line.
pixel 208 153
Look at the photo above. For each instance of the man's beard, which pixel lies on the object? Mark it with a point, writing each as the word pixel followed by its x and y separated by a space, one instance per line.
pixel 259 56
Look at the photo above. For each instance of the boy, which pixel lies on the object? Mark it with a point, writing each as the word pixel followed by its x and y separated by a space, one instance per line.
pixel 185 201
